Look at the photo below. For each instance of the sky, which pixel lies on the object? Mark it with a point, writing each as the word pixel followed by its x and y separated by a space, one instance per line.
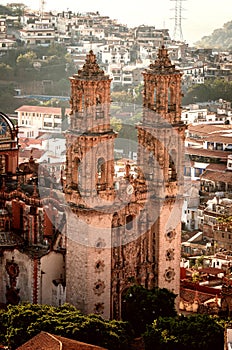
pixel 199 17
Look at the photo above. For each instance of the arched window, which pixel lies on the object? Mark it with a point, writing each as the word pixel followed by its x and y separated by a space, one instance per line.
pixel 129 222
pixel 76 171
pixel 2 164
pixel 172 173
pixel 155 97
pixel 101 170
pixel 169 98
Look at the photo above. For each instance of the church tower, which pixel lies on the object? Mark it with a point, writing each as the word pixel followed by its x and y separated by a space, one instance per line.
pixel 161 158
pixel 90 144
pixel 89 190
pixel 150 225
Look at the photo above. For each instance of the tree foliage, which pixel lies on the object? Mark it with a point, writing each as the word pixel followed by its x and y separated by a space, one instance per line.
pixel 185 332
pixel 23 68
pixel 7 102
pixel 20 323
pixel 142 306
pixel 116 124
pixel 212 90
pixel 220 38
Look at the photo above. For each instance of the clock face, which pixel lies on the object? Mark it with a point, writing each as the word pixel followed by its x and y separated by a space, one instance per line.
pixel 3 127
pixel 130 189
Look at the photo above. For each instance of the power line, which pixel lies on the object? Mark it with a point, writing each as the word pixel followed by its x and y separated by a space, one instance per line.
pixel 177 33
pixel 42 3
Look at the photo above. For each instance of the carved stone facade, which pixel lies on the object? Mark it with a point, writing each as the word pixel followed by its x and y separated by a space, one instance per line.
pixel 132 234
pixel 31 226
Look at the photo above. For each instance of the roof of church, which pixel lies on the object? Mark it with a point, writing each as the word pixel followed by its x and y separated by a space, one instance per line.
pixel 47 341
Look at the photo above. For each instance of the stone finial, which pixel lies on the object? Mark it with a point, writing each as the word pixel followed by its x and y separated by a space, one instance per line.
pixel 163 61
pixel 91 70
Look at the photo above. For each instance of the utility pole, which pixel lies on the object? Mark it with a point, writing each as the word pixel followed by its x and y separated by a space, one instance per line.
pixel 177 33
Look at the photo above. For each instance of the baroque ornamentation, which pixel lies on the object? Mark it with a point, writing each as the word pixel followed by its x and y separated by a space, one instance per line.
pixel 169 274
pixel 99 265
pixel 99 287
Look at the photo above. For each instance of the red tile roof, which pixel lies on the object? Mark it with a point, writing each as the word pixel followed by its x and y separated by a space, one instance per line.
pixel 217 176
pixel 28 141
pixel 216 167
pixel 41 109
pixel 47 341
pixel 34 152
pixel 206 153
pixel 206 129
pixel 211 270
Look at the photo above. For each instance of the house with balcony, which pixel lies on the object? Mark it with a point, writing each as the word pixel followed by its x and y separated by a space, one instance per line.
pixel 41 32
pixel 206 144
pixel 194 114
pixel 113 54
pixel 214 221
pixel 149 34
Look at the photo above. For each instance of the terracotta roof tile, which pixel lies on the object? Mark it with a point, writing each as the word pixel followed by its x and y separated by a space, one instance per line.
pixel 206 153
pixel 206 129
pixel 216 167
pixel 40 109
pixel 42 341
pixel 217 176
pixel 47 341
pixel 69 344
pixel 34 152
pixel 211 270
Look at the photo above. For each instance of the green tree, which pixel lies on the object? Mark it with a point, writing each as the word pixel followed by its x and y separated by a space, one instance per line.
pixel 7 101
pixel 6 71
pixel 210 91
pixel 185 332
pixel 116 124
pixel 142 306
pixel 20 323
pixel 26 60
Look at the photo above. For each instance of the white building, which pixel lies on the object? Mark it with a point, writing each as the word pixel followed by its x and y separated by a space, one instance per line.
pixel 38 33
pixel 194 114
pixel 45 119
pixel 113 54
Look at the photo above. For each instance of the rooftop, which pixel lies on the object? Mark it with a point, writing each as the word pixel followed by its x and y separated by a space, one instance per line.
pixel 47 341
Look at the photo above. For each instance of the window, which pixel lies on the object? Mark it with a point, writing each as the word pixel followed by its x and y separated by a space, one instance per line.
pixel 101 168
pixel 198 172
pixel 129 222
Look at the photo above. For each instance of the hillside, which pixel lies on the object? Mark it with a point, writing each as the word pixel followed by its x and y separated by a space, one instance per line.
pixel 220 38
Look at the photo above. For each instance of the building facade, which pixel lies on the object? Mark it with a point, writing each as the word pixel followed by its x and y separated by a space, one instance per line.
pixel 118 236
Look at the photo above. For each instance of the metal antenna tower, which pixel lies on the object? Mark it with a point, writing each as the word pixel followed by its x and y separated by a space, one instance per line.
pixel 177 33
pixel 41 9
